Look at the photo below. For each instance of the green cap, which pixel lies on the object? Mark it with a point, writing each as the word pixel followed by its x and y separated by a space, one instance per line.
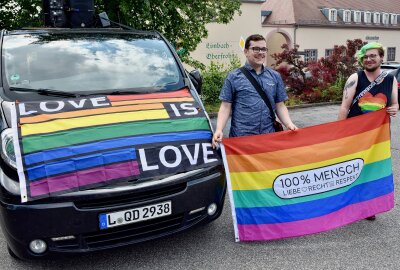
pixel 361 53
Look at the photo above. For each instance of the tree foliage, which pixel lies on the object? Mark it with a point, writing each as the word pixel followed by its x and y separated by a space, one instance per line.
pixel 213 79
pixel 317 80
pixel 292 68
pixel 18 13
pixel 183 22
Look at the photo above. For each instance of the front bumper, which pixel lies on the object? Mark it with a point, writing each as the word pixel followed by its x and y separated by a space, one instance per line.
pixel 54 219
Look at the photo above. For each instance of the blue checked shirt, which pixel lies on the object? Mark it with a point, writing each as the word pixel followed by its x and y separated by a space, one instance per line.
pixel 250 114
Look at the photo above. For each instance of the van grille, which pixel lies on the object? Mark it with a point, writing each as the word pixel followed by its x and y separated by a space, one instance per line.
pixel 132 233
pixel 133 197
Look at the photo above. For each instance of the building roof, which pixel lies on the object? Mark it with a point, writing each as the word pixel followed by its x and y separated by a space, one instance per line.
pixel 282 11
pixel 308 12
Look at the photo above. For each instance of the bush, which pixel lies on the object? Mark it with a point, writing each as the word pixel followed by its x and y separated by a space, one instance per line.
pixel 311 95
pixel 293 100
pixel 213 79
pixel 328 74
pixel 335 91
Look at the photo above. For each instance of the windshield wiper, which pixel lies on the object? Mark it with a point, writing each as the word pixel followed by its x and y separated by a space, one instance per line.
pixel 45 92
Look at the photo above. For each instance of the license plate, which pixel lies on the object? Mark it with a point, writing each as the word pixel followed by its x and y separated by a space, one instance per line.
pixel 109 220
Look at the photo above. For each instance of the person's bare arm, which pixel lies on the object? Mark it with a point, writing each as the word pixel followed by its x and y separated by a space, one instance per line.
pixel 283 115
pixel 348 96
pixel 223 116
pixel 392 109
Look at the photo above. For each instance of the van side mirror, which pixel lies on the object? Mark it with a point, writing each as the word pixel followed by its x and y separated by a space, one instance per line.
pixel 197 80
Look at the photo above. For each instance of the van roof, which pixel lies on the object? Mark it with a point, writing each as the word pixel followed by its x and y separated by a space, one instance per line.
pixel 81 30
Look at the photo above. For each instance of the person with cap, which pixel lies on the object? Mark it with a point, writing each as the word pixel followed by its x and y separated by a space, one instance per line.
pixel 370 57
pixel 382 94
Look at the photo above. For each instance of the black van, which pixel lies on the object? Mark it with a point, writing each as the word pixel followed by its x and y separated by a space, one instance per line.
pixel 79 65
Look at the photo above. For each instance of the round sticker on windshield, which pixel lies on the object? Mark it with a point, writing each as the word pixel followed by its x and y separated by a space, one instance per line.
pixel 14 77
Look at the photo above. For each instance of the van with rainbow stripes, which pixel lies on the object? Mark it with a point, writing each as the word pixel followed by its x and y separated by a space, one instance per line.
pixel 104 142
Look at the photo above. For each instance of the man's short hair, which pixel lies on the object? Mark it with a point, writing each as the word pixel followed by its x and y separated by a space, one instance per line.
pixel 255 37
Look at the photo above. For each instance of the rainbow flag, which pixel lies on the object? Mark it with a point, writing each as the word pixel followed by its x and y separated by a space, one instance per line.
pixel 74 144
pixel 315 179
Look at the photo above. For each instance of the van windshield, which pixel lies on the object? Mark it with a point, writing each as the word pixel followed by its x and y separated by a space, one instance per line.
pixel 90 62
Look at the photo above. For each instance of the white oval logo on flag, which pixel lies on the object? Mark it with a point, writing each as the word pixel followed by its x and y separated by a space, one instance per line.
pixel 318 180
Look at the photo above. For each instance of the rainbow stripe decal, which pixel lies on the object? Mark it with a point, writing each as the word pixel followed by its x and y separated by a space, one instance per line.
pixel 76 144
pixel 318 178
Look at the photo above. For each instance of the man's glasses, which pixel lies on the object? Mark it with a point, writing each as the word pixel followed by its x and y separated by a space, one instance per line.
pixel 258 49
pixel 370 56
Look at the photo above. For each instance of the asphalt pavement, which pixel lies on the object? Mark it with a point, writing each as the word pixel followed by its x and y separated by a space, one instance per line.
pixel 361 245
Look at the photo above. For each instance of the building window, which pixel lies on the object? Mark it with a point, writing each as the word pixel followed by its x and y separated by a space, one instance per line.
pixel 333 15
pixel 357 16
pixel 393 19
pixel 328 53
pixel 385 18
pixel 377 18
pixel 347 16
pixel 391 53
pixel 367 17
pixel 310 55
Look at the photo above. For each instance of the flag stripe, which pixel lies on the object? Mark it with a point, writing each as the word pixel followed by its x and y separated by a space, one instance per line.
pixel 307 136
pixel 301 155
pixel 268 198
pixel 330 221
pixel 311 209
pixel 79 136
pixel 156 100
pixel 74 150
pixel 180 93
pixel 78 179
pixel 265 179
pixel 80 163
pixel 96 120
pixel 79 113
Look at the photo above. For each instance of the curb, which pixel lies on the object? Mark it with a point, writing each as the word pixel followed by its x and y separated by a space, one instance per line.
pixel 295 107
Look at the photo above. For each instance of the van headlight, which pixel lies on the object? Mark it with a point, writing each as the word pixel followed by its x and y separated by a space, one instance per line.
pixel 7 148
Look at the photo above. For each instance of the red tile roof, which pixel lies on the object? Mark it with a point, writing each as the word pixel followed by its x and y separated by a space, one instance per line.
pixel 309 11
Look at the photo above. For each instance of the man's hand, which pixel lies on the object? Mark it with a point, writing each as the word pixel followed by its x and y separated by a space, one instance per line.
pixel 223 115
pixel 392 110
pixel 217 138
pixel 283 115
pixel 291 126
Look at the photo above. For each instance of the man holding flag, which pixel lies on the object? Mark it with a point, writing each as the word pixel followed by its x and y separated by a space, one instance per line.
pixel 251 113
pixel 370 89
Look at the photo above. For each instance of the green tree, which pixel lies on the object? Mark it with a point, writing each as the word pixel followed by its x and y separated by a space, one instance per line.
pixel 19 13
pixel 213 79
pixel 182 22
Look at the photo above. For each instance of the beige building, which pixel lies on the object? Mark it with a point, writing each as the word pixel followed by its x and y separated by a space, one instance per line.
pixel 315 25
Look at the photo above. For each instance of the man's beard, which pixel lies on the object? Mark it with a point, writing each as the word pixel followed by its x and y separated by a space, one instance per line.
pixel 371 69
